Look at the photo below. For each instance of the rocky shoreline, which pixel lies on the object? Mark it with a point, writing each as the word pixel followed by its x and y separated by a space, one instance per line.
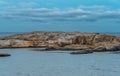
pixel 80 43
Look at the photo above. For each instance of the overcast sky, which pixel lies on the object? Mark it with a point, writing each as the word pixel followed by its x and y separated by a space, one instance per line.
pixel 60 15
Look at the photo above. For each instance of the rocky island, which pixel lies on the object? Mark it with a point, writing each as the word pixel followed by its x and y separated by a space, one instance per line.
pixel 79 43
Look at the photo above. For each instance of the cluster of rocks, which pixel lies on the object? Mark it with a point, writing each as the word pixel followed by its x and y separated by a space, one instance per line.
pixel 82 42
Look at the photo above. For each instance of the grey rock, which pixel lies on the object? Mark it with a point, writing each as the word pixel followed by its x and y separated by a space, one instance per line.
pixel 4 55
pixel 82 52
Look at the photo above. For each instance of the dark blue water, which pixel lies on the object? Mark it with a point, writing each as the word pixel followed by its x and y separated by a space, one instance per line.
pixel 25 62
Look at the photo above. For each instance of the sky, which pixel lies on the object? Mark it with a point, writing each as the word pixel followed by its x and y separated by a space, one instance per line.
pixel 60 15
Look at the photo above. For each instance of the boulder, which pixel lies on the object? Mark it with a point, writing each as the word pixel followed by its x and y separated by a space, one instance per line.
pixel 99 49
pixel 4 55
pixel 113 47
pixel 82 52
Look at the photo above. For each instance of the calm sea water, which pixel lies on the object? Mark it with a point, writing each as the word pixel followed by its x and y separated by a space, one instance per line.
pixel 25 62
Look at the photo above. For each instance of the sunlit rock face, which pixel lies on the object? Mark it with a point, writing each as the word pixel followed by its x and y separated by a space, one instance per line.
pixel 14 43
pixel 63 41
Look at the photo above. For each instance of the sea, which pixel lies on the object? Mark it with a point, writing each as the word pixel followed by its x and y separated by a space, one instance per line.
pixel 26 62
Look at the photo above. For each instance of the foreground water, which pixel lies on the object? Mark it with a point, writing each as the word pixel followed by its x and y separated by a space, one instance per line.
pixel 25 62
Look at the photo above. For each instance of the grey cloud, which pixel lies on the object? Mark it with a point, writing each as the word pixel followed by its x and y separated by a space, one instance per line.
pixel 110 15
pixel 55 14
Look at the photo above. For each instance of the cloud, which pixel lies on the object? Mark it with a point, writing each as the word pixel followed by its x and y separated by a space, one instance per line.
pixel 3 3
pixel 94 7
pixel 82 13
pixel 27 4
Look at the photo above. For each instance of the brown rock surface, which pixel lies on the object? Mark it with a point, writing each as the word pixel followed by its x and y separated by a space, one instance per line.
pixel 62 41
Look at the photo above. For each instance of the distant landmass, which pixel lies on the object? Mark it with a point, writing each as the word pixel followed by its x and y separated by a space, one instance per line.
pixel 79 42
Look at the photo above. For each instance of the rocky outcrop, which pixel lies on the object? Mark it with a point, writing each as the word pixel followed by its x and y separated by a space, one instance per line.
pixel 14 43
pixel 82 52
pixel 62 41
pixel 4 55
